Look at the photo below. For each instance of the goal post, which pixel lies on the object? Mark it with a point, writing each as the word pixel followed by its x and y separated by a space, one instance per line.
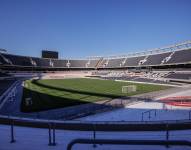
pixel 129 89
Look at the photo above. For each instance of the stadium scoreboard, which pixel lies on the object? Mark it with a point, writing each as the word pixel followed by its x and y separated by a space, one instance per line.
pixel 49 54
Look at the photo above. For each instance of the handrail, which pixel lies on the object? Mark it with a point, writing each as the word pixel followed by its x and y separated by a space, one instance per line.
pixel 128 142
pixel 149 112
pixel 100 126
pixel 52 137
pixel 93 122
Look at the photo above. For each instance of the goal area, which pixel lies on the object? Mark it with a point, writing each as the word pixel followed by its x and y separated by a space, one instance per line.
pixel 129 89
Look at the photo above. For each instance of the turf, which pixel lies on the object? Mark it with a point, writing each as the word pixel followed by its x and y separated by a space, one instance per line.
pixel 57 93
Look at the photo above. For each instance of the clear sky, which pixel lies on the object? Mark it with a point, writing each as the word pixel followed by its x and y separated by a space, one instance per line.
pixel 80 28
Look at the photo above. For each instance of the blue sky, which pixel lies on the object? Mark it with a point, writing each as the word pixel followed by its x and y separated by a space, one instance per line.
pixel 80 28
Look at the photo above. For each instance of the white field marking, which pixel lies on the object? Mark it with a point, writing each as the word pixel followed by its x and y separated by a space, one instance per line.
pixel 148 83
pixel 186 92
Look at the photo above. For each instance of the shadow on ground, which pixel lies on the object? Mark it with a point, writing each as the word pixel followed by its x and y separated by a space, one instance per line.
pixel 41 101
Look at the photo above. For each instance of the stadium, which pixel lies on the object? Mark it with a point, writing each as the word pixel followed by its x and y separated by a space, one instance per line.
pixel 145 95
pixel 95 75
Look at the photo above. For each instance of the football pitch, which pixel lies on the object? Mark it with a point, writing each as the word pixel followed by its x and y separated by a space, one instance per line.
pixel 59 93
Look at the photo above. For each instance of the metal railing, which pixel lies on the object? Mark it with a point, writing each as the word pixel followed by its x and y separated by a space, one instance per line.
pixel 52 127
pixel 171 48
pixel 148 112
pixel 5 118
pixel 128 142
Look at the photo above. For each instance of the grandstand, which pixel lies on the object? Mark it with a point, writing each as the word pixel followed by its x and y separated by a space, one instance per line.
pixel 179 54
pixel 83 97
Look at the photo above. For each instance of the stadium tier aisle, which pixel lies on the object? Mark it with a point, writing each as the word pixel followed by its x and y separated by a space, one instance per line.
pixel 156 59
pixel 180 57
pixel 112 63
pixel 134 113
pixel 5 84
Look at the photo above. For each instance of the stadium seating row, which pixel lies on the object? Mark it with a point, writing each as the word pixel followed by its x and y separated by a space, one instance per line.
pixel 154 77
pixel 2 75
pixel 165 58
pixel 175 57
pixel 183 76
pixel 15 60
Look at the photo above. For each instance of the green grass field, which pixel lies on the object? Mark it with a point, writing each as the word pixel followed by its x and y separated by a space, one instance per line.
pixel 58 93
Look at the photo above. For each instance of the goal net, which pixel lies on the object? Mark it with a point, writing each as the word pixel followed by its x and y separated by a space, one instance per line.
pixel 129 89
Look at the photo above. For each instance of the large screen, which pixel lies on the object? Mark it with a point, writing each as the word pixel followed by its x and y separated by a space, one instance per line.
pixel 49 54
